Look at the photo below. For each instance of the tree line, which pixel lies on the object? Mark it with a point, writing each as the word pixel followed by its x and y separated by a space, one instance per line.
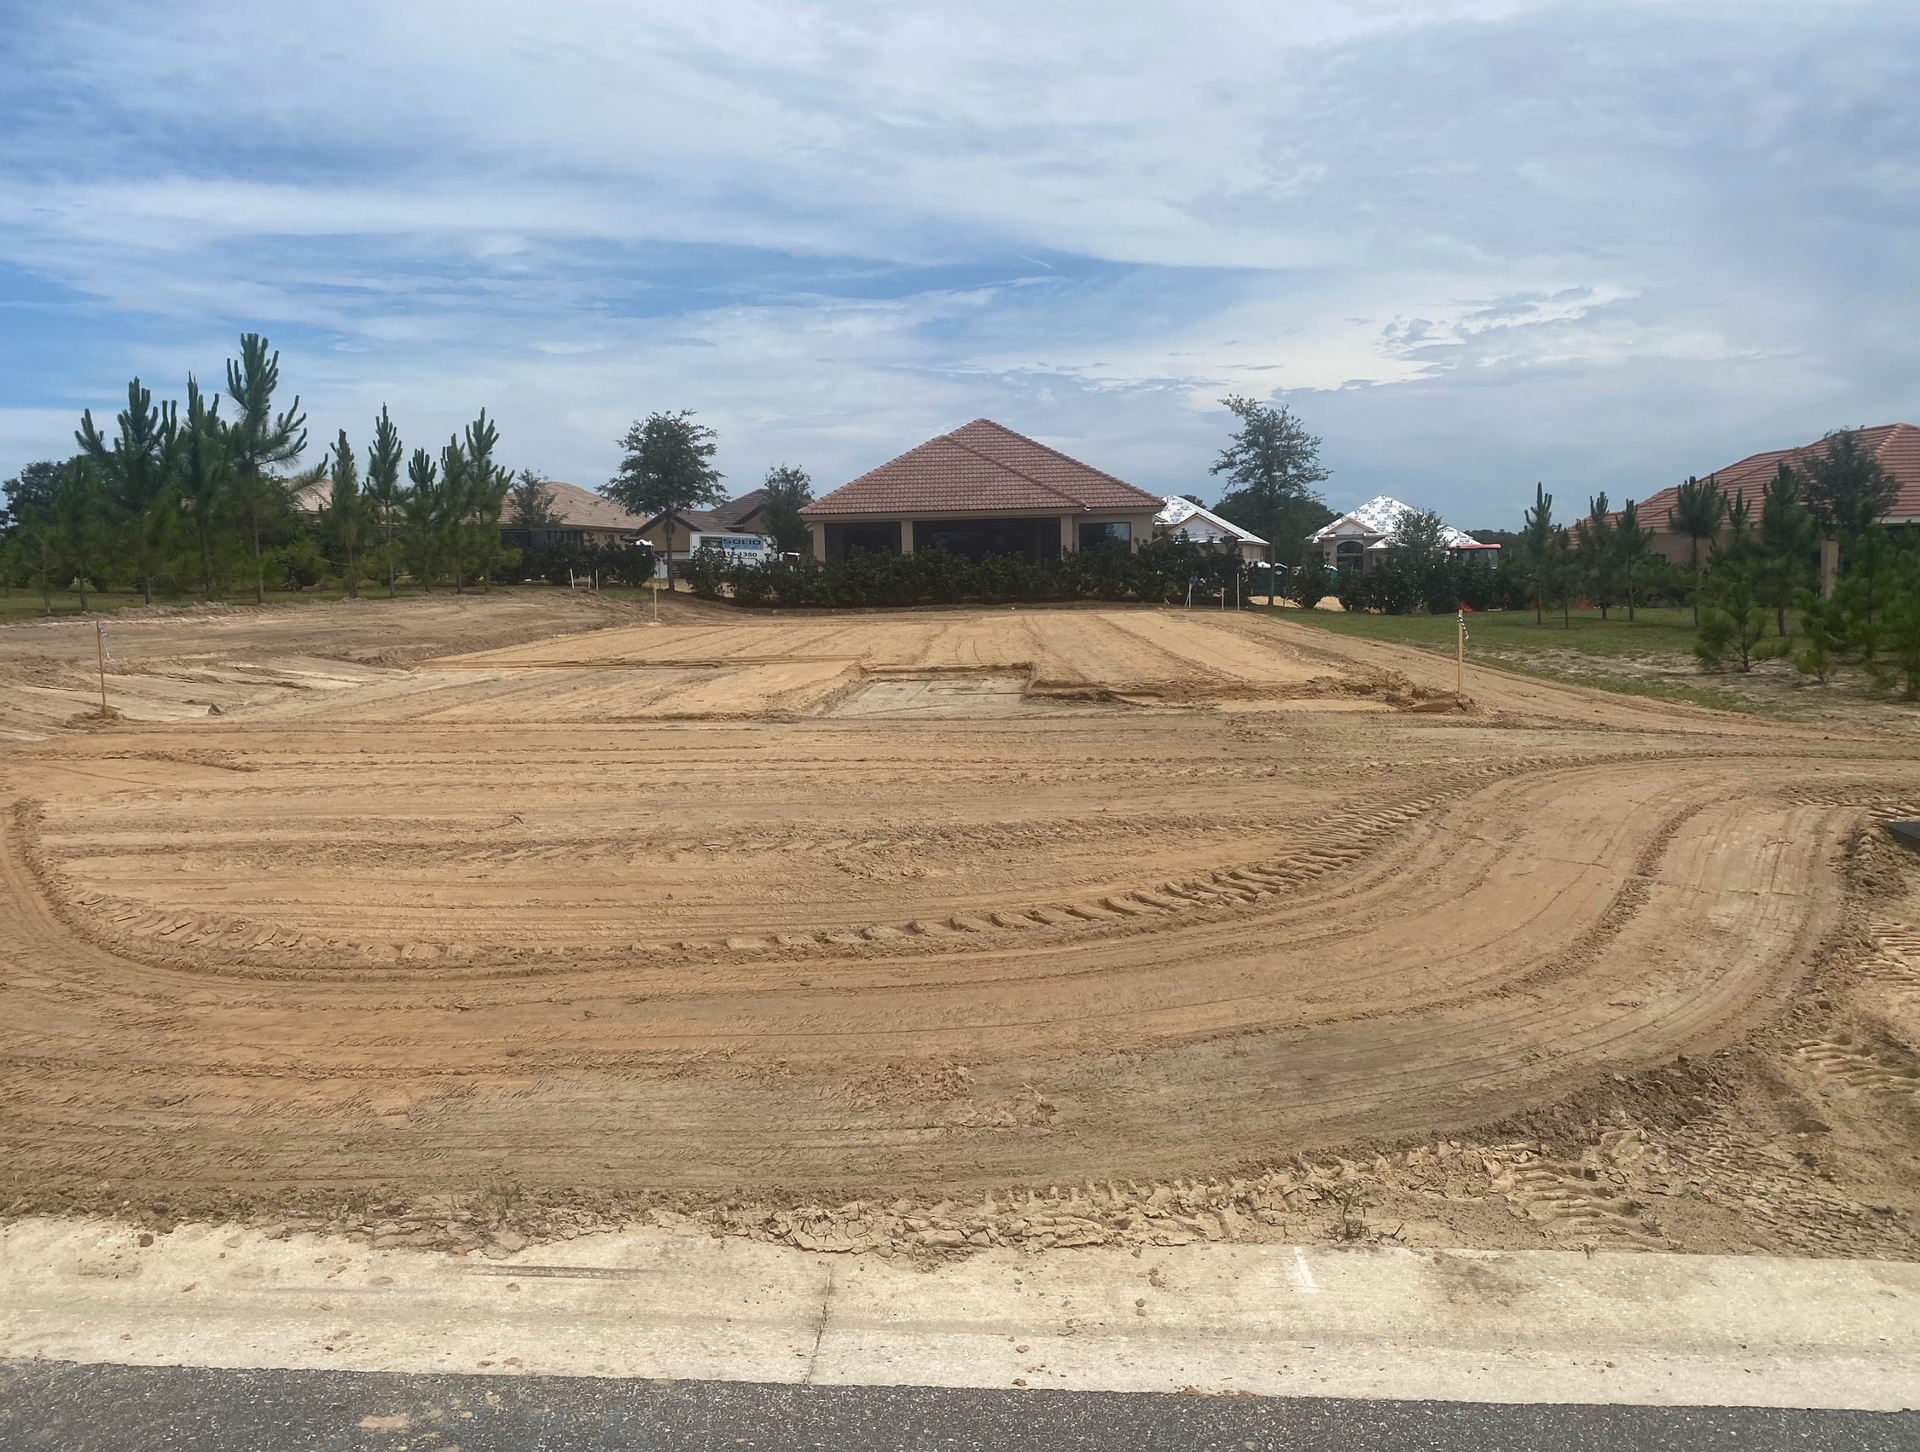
pixel 1753 570
pixel 209 498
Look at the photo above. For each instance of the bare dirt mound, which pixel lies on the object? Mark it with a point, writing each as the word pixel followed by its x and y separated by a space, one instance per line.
pixel 755 912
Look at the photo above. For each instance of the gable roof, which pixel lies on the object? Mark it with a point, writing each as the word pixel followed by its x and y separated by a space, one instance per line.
pixel 1376 519
pixel 1897 446
pixel 1179 513
pixel 577 508
pixel 736 512
pixel 731 516
pixel 981 467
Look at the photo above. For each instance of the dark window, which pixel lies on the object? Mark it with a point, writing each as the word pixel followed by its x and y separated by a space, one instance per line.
pixel 1098 536
pixel 876 539
pixel 1348 551
pixel 1030 539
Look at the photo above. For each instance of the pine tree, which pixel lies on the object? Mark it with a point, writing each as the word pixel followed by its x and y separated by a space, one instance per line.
pixel 486 489
pixel 133 471
pixel 1697 508
pixel 383 492
pixel 1538 535
pixel 261 440
pixel 1847 489
pixel 77 536
pixel 1788 537
pixel 202 473
pixel 1597 548
pixel 422 510
pixel 1633 544
pixel 530 503
pixel 344 507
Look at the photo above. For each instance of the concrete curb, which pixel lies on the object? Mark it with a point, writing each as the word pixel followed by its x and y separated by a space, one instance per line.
pixel 1483 1326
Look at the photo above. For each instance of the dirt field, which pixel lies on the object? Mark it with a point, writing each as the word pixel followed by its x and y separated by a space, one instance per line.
pixel 919 930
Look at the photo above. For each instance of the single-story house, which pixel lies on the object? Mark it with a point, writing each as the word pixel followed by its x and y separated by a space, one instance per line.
pixel 671 534
pixel 980 490
pixel 1897 446
pixel 578 517
pixel 1360 539
pixel 1183 519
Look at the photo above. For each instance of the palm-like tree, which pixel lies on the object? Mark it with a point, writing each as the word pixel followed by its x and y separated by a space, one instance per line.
pixel 1633 544
pixel 1697 509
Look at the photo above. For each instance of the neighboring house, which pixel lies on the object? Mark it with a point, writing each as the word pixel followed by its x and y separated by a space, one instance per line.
pixel 1897 446
pixel 578 517
pixel 980 490
pixel 670 533
pixel 1360 540
pixel 1183 519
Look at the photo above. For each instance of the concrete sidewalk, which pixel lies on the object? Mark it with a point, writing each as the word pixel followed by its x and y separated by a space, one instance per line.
pixel 1481 1326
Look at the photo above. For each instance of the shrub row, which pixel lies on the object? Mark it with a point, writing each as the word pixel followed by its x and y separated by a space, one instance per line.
pixel 1159 571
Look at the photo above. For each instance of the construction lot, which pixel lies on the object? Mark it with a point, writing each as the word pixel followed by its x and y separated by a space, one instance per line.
pixel 465 919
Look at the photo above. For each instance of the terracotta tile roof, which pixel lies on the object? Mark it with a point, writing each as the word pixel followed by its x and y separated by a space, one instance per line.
pixel 1896 445
pixel 981 467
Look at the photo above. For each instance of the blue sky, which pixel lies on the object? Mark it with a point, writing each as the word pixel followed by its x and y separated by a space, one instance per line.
pixel 1473 244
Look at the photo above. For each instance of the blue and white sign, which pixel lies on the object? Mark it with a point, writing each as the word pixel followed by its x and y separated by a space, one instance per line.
pixel 740 549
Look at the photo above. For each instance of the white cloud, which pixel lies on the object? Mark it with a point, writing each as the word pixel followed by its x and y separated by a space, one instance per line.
pixel 1387 210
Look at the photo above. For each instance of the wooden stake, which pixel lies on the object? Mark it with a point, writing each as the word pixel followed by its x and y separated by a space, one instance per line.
pixel 100 644
pixel 1460 665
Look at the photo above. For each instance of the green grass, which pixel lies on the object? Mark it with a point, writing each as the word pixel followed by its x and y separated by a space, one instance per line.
pixel 1508 638
pixel 1655 631
pixel 1708 696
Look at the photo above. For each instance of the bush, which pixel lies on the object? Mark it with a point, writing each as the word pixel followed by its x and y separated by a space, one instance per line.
pixel 1309 585
pixel 1159 571
pixel 1398 587
pixel 558 564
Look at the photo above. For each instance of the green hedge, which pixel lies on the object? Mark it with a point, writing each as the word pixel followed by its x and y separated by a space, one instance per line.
pixel 1159 571
pixel 616 565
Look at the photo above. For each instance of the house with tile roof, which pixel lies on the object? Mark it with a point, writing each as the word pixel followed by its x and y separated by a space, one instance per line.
pixel 671 533
pixel 1183 519
pixel 1897 446
pixel 1360 539
pixel 982 489
pixel 578 517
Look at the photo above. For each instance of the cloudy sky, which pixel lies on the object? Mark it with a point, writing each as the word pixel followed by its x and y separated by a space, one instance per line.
pixel 1473 243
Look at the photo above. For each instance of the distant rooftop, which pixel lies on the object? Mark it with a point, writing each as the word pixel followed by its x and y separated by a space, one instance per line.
pixel 984 466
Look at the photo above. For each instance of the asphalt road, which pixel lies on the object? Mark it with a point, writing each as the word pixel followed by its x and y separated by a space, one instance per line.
pixel 81 1408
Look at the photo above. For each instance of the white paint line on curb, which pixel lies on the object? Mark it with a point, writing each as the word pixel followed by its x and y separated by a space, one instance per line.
pixel 1509 1326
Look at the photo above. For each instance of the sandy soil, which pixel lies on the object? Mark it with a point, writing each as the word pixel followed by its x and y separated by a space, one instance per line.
pixel 940 928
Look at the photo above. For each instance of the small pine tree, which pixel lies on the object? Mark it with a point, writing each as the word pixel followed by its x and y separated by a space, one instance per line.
pixel 1822 636
pixel 383 490
pixel 1698 507
pixel 343 513
pixel 1734 621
